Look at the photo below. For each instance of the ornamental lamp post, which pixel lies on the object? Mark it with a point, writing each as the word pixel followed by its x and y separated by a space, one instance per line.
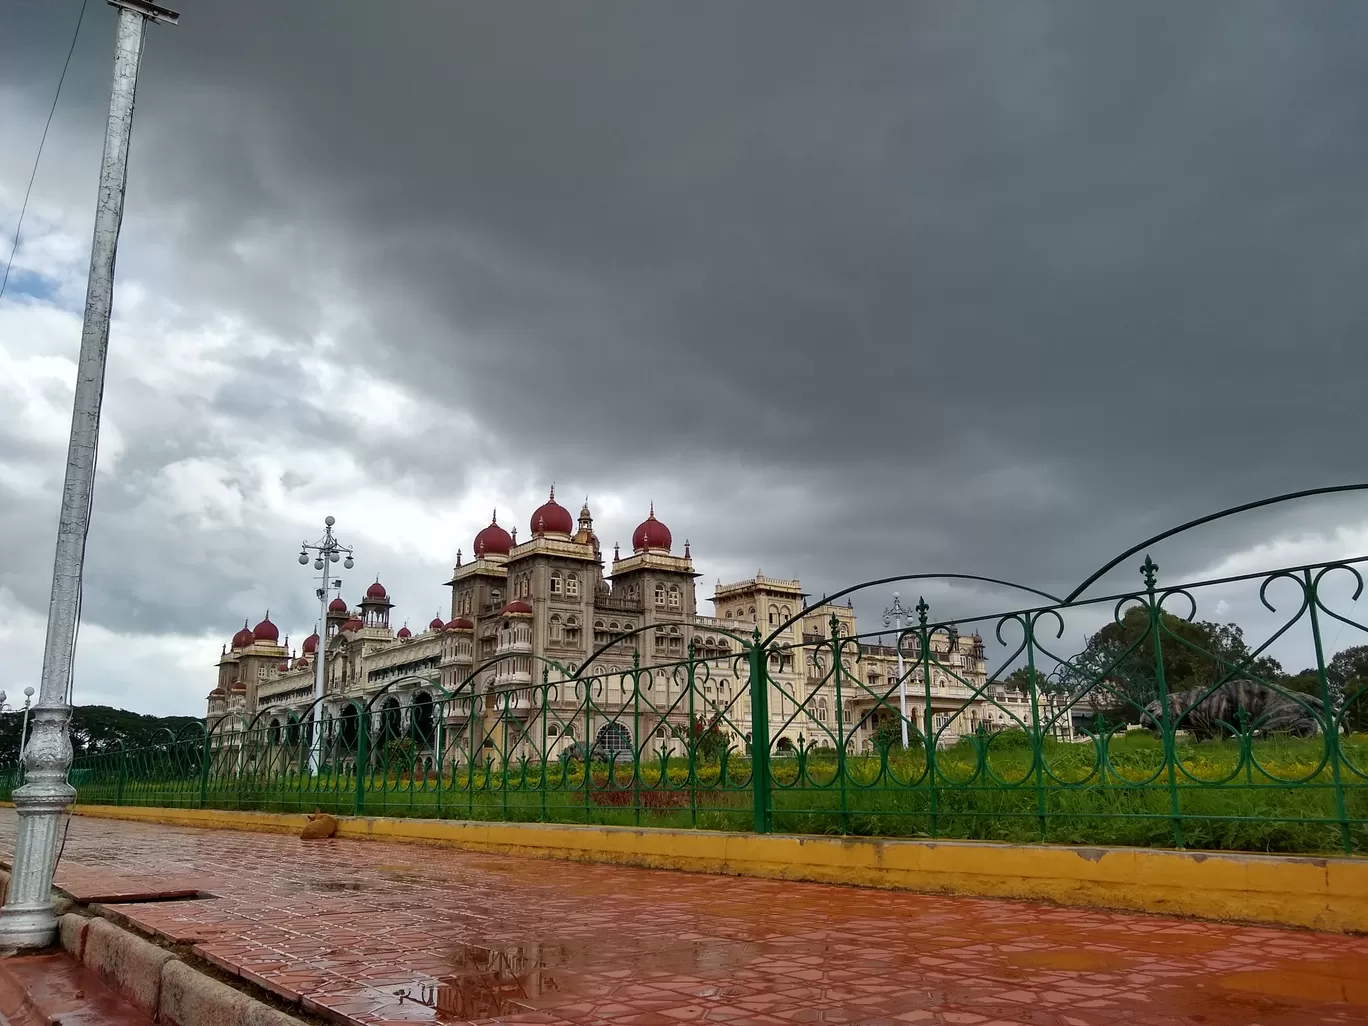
pixel 897 616
pixel 329 550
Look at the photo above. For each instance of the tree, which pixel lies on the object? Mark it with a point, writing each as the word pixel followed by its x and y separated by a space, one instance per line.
pixel 1346 680
pixel 1347 671
pixel 1021 679
pixel 100 728
pixel 1118 671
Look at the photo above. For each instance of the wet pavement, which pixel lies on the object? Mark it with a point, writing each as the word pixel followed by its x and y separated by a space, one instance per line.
pixel 53 989
pixel 373 933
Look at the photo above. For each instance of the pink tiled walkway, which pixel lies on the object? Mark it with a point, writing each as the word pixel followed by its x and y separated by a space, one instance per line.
pixel 377 933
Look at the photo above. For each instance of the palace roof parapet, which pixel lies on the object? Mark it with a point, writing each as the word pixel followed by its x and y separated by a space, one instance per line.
pixel 653 560
pixel 550 545
pixel 778 585
pixel 489 566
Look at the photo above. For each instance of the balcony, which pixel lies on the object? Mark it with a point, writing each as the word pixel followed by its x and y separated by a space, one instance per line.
pixel 617 604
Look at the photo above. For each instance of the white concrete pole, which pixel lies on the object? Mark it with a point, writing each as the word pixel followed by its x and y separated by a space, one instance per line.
pixel 315 719
pixel 897 615
pixel 27 920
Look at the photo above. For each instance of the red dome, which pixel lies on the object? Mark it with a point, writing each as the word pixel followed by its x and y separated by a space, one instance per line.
pixel 244 637
pixel 651 534
pixel 493 540
pixel 337 605
pixel 461 623
pixel 237 685
pixel 352 625
pixel 552 518
pixel 376 590
pixel 217 692
pixel 404 632
pixel 516 608
pixel 301 663
pixel 266 631
pixel 284 667
pixel 311 643
pixel 436 624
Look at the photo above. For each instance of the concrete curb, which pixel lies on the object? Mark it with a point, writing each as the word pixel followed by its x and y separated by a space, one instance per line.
pixel 159 984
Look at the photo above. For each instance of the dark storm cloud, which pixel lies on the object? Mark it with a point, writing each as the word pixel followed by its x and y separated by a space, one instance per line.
pixel 991 287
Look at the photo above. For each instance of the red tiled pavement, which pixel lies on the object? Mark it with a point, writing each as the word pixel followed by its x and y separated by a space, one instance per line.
pixel 375 933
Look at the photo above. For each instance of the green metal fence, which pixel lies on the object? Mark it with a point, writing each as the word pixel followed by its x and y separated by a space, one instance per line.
pixel 1164 730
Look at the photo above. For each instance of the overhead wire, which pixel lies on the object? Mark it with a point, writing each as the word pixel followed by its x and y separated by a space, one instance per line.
pixel 23 207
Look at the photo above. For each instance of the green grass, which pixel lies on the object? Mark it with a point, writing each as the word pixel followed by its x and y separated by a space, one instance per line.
pixel 1271 795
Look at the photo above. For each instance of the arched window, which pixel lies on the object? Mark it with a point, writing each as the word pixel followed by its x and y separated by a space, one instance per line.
pixel 555 627
pixel 572 630
pixel 572 585
pixel 822 709
pixel 553 731
pixel 391 719
pixel 660 730
pixel 556 582
pixel 674 598
pixel 785 612
pixel 660 594
pixel 421 718
pixel 613 738
pixel 751 612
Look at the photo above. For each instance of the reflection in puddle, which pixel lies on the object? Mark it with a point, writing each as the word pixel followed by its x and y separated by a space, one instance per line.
pixel 338 885
pixel 1071 961
pixel 488 980
pixel 1307 982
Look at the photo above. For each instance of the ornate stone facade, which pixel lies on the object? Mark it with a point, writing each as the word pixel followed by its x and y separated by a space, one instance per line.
pixel 546 606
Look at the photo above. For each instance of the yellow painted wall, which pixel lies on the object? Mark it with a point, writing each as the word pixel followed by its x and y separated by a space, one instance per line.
pixel 1320 893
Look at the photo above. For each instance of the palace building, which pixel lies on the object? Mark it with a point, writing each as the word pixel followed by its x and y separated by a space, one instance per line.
pixel 544 611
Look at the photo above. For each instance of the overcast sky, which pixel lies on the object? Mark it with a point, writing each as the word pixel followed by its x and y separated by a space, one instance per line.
pixel 847 290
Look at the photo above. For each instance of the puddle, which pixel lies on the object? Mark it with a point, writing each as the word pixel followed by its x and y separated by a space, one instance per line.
pixel 1071 961
pixel 1304 983
pixel 338 885
pixel 492 980
pixel 405 875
